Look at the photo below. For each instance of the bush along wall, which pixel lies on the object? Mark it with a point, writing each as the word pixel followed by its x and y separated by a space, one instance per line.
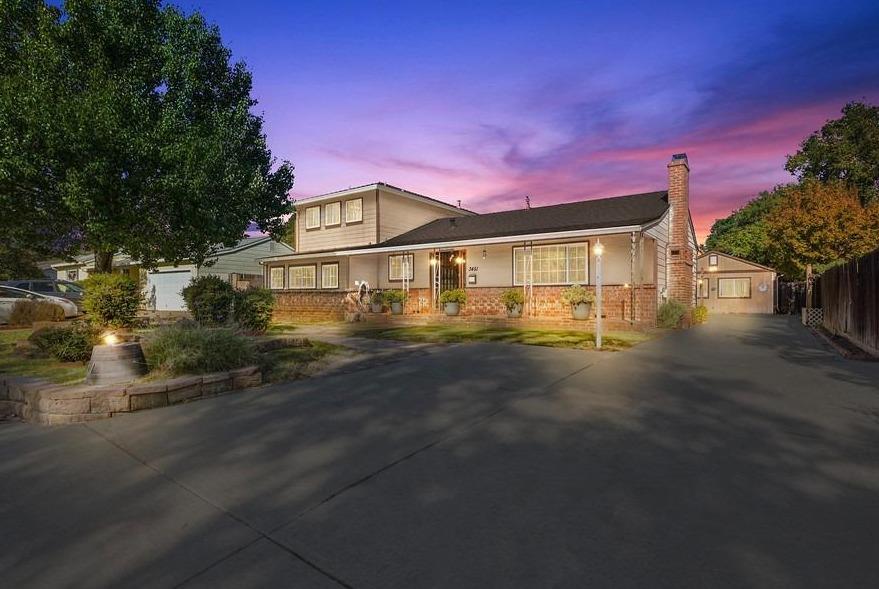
pixel 210 299
pixel 111 300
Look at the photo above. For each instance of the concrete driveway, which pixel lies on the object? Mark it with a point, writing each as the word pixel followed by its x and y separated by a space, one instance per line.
pixel 737 454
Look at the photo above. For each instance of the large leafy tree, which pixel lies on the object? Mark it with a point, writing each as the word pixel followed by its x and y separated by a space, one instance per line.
pixel 743 232
pixel 821 224
pixel 124 126
pixel 844 149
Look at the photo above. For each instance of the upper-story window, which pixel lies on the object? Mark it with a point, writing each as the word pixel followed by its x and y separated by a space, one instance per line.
pixel 312 218
pixel 354 210
pixel 332 214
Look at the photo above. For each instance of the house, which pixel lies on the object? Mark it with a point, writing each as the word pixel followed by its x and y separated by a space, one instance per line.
pixel 387 237
pixel 238 264
pixel 727 284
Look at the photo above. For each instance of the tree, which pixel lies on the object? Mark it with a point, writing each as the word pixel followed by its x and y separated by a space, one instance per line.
pixel 845 149
pixel 289 236
pixel 124 127
pixel 743 232
pixel 821 224
pixel 16 263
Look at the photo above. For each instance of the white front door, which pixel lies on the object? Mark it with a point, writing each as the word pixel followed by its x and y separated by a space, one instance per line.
pixel 166 289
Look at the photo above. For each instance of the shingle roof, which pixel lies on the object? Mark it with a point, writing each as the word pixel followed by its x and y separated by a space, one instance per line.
pixel 617 211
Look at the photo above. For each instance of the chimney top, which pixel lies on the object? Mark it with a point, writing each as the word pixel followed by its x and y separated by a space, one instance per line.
pixel 679 159
pixel 459 203
pixel 679 156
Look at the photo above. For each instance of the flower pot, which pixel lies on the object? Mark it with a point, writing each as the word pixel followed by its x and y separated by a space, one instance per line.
pixel 376 307
pixel 514 311
pixel 396 308
pixel 452 309
pixel 581 311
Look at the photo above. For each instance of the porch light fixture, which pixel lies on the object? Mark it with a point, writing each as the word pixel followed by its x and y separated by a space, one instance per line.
pixel 434 261
pixel 459 260
pixel 484 253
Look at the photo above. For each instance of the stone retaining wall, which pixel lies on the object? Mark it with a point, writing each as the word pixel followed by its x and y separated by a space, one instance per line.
pixel 40 401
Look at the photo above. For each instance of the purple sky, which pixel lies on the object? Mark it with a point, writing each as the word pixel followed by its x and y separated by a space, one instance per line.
pixel 489 101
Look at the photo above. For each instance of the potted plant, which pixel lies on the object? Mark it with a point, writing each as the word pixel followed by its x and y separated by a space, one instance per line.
pixel 580 301
pixel 513 299
pixel 452 301
pixel 376 301
pixel 395 299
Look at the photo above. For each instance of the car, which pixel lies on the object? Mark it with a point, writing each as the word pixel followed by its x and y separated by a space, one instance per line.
pixel 10 295
pixel 50 287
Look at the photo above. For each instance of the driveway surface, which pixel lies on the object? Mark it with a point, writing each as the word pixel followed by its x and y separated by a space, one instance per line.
pixel 741 453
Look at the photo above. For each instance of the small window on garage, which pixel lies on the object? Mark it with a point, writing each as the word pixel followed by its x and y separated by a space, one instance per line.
pixel 276 277
pixel 733 288
pixel 712 259
pixel 329 275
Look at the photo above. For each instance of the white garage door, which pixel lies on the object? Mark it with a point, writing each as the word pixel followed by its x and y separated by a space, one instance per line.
pixel 166 287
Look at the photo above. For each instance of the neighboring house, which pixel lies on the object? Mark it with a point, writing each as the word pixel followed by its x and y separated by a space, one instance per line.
pixel 727 284
pixel 238 264
pixel 392 238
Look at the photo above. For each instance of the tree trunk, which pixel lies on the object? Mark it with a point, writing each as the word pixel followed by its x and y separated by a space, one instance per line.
pixel 103 262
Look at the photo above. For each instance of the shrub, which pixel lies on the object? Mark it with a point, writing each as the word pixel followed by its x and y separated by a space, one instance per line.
pixel 71 343
pixel 670 313
pixel 576 294
pixel 196 350
pixel 253 308
pixel 210 299
pixel 394 296
pixel 26 312
pixel 700 314
pixel 111 299
pixel 512 297
pixel 457 295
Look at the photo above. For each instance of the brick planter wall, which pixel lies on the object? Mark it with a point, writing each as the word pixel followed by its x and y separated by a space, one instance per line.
pixel 309 305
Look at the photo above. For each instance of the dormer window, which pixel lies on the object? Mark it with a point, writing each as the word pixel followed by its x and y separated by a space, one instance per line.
pixel 354 210
pixel 312 218
pixel 332 214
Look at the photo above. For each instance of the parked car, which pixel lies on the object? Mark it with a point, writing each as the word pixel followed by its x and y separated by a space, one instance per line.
pixel 10 295
pixel 50 287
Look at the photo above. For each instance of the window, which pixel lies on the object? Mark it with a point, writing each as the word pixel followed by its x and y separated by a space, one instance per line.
pixel 733 288
pixel 43 287
pixel 565 263
pixel 276 277
pixel 8 293
pixel 354 210
pixel 312 218
pixel 73 275
pixel 329 275
pixel 332 214
pixel 396 264
pixel 712 259
pixel 69 287
pixel 302 277
pixel 704 287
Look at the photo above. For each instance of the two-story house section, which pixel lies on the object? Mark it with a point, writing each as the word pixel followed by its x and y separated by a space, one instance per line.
pixel 387 237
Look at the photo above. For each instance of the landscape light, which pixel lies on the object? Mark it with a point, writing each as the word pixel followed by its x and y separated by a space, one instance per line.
pixel 110 338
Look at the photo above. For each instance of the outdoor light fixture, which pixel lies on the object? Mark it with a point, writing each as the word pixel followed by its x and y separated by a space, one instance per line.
pixel 110 339
pixel 712 268
pixel 598 249
pixel 484 253
pixel 433 261
pixel 459 260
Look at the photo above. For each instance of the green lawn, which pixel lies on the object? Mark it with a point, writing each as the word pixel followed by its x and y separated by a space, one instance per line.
pixel 12 362
pixel 292 363
pixel 557 338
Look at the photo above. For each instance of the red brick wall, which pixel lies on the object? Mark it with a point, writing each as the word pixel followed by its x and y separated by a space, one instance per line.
pixel 309 305
pixel 680 265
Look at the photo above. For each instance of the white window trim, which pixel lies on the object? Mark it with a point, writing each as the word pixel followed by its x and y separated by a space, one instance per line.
pixel 290 281
pixel 411 267
pixel 358 219
pixel 337 205
pixel 283 277
pixel 567 264
pixel 721 280
pixel 307 224
pixel 323 276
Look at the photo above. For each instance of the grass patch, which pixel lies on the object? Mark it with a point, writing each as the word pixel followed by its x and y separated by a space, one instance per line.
pixel 12 362
pixel 295 362
pixel 555 338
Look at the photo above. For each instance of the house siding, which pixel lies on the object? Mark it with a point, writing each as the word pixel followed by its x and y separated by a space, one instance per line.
pixel 342 236
pixel 400 214
pixel 760 277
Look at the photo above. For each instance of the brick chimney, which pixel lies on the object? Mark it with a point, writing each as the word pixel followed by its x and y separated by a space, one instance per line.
pixel 681 277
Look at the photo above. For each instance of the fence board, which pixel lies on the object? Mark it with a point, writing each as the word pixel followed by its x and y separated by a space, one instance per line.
pixel 850 297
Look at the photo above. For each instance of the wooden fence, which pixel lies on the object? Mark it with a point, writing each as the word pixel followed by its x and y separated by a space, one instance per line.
pixel 850 298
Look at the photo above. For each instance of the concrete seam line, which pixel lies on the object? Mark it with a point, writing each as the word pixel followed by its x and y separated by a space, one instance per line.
pixel 221 509
pixel 450 433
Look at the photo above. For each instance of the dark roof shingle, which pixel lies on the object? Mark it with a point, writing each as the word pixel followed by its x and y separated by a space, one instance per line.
pixel 617 211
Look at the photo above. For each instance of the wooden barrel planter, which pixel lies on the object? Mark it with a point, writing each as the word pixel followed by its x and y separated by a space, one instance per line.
pixel 116 363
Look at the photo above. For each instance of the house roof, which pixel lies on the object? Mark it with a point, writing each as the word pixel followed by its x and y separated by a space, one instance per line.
pixel 732 257
pixel 617 211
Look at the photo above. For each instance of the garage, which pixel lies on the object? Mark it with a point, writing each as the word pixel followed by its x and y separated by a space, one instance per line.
pixel 727 284
pixel 164 289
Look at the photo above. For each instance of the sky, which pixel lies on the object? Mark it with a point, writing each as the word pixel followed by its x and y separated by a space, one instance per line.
pixel 488 101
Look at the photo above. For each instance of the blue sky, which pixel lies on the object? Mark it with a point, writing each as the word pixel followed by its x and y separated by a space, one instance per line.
pixel 489 101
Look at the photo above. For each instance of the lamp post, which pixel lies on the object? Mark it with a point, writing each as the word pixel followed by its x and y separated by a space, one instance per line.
pixel 599 249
